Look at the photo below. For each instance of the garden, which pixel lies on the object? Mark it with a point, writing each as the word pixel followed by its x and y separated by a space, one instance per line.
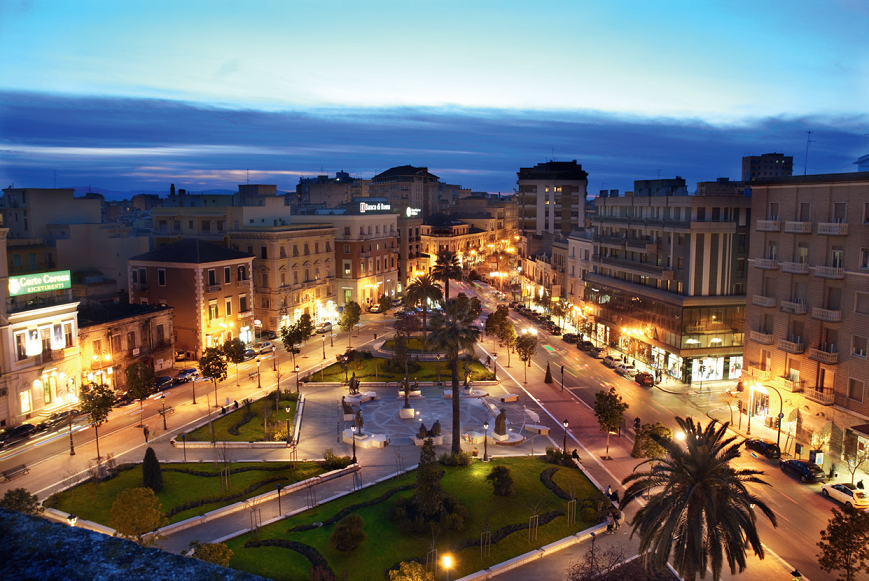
pixel 364 535
pixel 370 368
pixel 414 345
pixel 252 421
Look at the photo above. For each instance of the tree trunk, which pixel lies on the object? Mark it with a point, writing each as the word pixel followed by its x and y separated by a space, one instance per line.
pixel 141 412
pixel 608 442
pixel 457 410
pixel 526 370
pixel 97 435
pixel 447 289
pixel 215 389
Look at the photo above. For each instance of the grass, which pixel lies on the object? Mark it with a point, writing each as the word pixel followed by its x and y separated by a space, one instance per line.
pixel 94 502
pixel 386 545
pixel 427 371
pixel 414 345
pixel 252 431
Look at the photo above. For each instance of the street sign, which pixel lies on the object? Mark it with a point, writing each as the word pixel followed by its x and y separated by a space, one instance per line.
pixel 781 416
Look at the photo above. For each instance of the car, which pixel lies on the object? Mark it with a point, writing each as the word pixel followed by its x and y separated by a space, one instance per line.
pixel 847 494
pixel 585 345
pixel 249 354
pixel 56 419
pixel 163 382
pixel 374 309
pixel 397 302
pixel 610 361
pixel 554 330
pixel 186 375
pixel 17 434
pixel 598 352
pixel 180 355
pixel 626 370
pixel 766 447
pixel 512 304
pixel 264 347
pixel 804 470
pixel 569 338
pixel 324 327
pixel 645 379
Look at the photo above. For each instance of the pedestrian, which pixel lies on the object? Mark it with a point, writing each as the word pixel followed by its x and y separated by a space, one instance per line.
pixel 610 525
pixel 609 490
pixel 222 411
pixel 146 431
pixel 575 456
pixel 614 497
pixel 860 484
pixel 375 336
pixel 236 404
pixel 617 516
pixel 227 402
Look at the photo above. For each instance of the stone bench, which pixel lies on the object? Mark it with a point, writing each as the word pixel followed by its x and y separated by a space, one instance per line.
pixel 510 397
pixel 15 471
pixel 542 430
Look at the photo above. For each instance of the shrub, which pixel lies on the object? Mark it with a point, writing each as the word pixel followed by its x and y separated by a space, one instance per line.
pixel 548 377
pixel 217 553
pixel 455 459
pixel 557 456
pixel 333 462
pixel 348 533
pixel 502 480
pixel 19 500
pixel 152 476
pixel 410 571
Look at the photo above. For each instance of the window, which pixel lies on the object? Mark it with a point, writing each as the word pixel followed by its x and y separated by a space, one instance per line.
pixel 346 230
pixel 264 253
pixel 295 277
pixel 226 275
pixel 839 209
pixel 68 335
pixel 680 263
pixel 242 273
pixel 328 247
pixel 212 310
pixel 295 250
pixel 212 277
pixel 316 248
pixel 362 267
pixel 161 276
pixel 116 343
pixel 864 258
pixel 206 226
pixel 307 275
pixel 143 276
pixel 25 401
pixel 307 252
pixel 283 279
pixel 21 346
pixel 190 224
pixel 347 267
pixel 858 346
pixel 131 340
pixel 855 389
pixel 228 306
pixel 242 303
pixel 265 302
pixel 161 335
pixel 346 249
pixel 134 274
pixel 283 252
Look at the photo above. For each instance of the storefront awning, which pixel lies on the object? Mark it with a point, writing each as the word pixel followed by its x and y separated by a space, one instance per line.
pixel 862 429
pixel 814 423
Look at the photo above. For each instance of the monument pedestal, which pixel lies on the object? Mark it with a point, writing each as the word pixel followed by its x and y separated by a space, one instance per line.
pixel 500 437
pixel 406 413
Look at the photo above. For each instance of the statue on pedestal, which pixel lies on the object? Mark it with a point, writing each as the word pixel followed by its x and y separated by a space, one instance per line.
pixel 422 434
pixel 467 376
pixel 501 423
pixel 359 422
pixel 436 429
pixel 354 385
pixel 347 408
pixel 405 383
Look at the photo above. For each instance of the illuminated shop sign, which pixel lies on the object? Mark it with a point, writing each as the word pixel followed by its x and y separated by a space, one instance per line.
pixel 37 283
pixel 411 212
pixel 363 207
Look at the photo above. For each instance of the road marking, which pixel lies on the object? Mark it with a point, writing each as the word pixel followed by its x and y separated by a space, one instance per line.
pixel 789 498
pixel 780 515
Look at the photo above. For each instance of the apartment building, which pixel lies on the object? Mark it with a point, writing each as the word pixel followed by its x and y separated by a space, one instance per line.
pixel 28 211
pixel 411 260
pixel 407 187
pixel 808 307
pixel 441 232
pixel 768 165
pixel 551 197
pixel 329 192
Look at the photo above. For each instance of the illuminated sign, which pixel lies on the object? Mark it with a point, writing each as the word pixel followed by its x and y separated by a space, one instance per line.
pixel 411 212
pixel 37 283
pixel 363 207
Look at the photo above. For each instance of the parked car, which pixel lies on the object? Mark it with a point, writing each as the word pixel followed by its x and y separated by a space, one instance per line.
pixel 626 370
pixel 374 309
pixel 585 345
pixel 180 355
pixel 846 493
pixel 264 347
pixel 268 335
pixel 397 302
pixel 163 382
pixel 324 327
pixel 186 375
pixel 645 379
pixel 57 419
pixel 512 304
pixel 804 470
pixel 555 330
pixel 569 338
pixel 249 354
pixel 17 434
pixel 766 447
pixel 598 352
pixel 610 361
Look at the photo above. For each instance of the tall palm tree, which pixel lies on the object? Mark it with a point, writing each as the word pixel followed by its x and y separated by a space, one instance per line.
pixel 422 290
pixel 700 509
pixel 452 333
pixel 447 268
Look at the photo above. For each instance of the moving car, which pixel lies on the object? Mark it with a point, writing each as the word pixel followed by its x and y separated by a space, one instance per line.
pixel 569 338
pixel 264 347
pixel 163 382
pixel 846 493
pixel 804 470
pixel 766 447
pixel 186 375
pixel 585 345
pixel 626 370
pixel 249 354
pixel 325 327
pixel 56 419
pixel 17 434
pixel 610 361
pixel 645 379
pixel 598 352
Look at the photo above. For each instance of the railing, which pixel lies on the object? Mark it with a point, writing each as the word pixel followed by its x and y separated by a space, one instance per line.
pixel 791 346
pixel 833 229
pixel 826 315
pixel 762 301
pixel 795 267
pixel 213 288
pixel 824 396
pixel 823 356
pixel 829 272
pixel 793 308
pixel 788 385
pixel 661 272
pixel 767 263
pixel 768 225
pixel 798 227
pixel 245 282
pixel 641 246
pixel 762 338
pixel 759 374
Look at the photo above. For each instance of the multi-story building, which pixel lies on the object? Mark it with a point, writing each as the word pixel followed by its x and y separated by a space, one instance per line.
pixel 551 197
pixel 407 187
pixel 411 260
pixel 208 285
pixel 441 232
pixel 768 165
pixel 808 307
pixel 667 280
pixel 28 211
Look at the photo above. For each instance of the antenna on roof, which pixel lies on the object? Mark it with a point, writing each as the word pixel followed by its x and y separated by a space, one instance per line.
pixel 55 179
pixel 248 177
pixel 808 141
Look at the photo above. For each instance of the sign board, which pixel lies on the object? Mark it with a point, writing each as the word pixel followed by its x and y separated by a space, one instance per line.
pixel 37 283
pixel 411 212
pixel 363 207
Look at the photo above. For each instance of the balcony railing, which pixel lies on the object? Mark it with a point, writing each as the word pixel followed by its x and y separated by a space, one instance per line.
pixel 793 308
pixel 833 229
pixel 244 283
pixel 641 246
pixel 798 227
pixel 795 267
pixel 768 225
pixel 762 338
pixel 767 263
pixel 797 348
pixel 213 288
pixel 824 396
pixel 759 374
pixel 826 315
pixel 829 272
pixel 762 301
pixel 823 356
pixel 788 385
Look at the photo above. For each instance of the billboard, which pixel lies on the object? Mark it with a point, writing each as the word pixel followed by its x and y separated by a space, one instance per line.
pixel 36 283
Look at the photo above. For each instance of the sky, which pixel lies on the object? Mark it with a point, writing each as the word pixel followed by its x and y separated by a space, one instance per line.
pixel 135 95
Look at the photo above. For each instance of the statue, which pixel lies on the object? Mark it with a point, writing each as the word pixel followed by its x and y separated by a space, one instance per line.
pixel 467 376
pixel 422 434
pixel 354 385
pixel 406 386
pixel 347 408
pixel 501 423
pixel 436 429
pixel 415 384
pixel 359 422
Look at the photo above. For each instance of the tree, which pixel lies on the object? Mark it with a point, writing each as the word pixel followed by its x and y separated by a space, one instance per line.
pixel 493 323
pixel 217 553
pixel 96 403
pixel 428 496
pixel 406 326
pixel 699 510
pixel 845 543
pixel 19 500
pixel 411 571
pixel 526 347
pixel 385 303
pixel 507 337
pixel 348 533
pixel 137 511
pixel 306 327
pixel 559 309
pixel 422 290
pixel 609 409
pixel 452 333
pixel 646 443
pixel 350 318
pixel 854 457
pixel 401 354
pixel 152 475
pixel 548 377
pixel 501 480
pixel 473 275
pixel 212 366
pixel 233 351
pixel 291 335
pixel 446 269
pixel 140 385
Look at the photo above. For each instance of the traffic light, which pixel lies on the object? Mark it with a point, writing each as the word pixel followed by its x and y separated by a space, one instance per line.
pixel 637 424
pixel 739 405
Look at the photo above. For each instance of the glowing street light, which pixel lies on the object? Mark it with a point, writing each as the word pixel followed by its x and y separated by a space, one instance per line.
pixel 486 441
pixel 447 563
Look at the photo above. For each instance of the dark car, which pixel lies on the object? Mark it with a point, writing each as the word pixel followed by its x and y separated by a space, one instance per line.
pixel 766 447
pixel 56 419
pixel 249 354
pixel 645 379
pixel 163 382
pixel 17 434
pixel 186 375
pixel 585 345
pixel 569 338
pixel 804 470
pixel 554 329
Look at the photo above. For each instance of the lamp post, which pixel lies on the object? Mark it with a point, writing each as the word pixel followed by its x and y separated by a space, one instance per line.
pixel 71 446
pixel 565 436
pixel 288 408
pixel 324 347
pixel 447 562
pixel 71 519
pixel 297 379
pixel 279 499
pixel 562 378
pixel 495 366
pixel 353 434
pixel 750 405
pixel 486 441
pixel 163 401
pixel 259 384
pixel 184 445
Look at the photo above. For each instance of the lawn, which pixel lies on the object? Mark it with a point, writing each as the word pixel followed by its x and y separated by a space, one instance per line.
pixel 427 371
pixel 386 545
pixel 94 502
pixel 414 345
pixel 251 431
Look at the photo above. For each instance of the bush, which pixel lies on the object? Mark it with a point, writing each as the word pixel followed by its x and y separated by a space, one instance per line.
pixel 548 377
pixel 152 476
pixel 19 500
pixel 217 553
pixel 455 459
pixel 348 533
pixel 557 456
pixel 502 480
pixel 333 462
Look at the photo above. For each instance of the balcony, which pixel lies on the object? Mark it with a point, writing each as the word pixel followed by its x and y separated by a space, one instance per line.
pixel 759 374
pixel 827 315
pixel 795 347
pixel 243 283
pixel 650 270
pixel 610 241
pixel 824 356
pixel 833 229
pixel 768 225
pixel 823 396
pixel 795 267
pixel 798 227
pixel 788 385
pixel 364 255
pixel 762 338
pixel 793 308
pixel 213 288
pixel 642 246
pixel 829 272
pixel 762 301
pixel 767 263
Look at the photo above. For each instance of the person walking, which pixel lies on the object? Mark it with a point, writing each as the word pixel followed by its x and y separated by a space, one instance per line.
pixel 147 432
pixel 610 525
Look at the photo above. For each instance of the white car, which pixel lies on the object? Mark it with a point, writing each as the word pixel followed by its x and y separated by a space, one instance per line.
pixel 325 327
pixel 609 361
pixel 846 493
pixel 264 347
pixel 626 370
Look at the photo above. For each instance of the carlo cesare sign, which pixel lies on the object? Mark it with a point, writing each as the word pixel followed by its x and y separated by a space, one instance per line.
pixel 37 283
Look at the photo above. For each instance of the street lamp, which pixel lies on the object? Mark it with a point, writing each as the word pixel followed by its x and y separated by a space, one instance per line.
pixel 486 441
pixel 565 436
pixel 447 562
pixel 781 415
pixel 324 347
pixel 495 366
pixel 163 401
pixel 288 408
pixel 750 405
pixel 71 519
pixel 279 499
pixel 353 430
pixel 258 383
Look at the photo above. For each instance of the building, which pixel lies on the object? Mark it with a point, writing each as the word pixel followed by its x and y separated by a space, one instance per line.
pixel 28 211
pixel 412 261
pixel 441 232
pixel 551 197
pixel 667 280
pixel 329 192
pixel 768 165
pixel 407 187
pixel 808 307
pixel 208 285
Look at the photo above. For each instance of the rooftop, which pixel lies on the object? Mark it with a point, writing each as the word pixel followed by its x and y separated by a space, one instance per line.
pixel 192 251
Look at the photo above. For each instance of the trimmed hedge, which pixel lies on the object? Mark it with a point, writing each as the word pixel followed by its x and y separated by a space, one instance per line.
pixel 349 509
pixel 307 551
pixel 546 479
pixel 229 497
pixel 234 470
pixel 245 418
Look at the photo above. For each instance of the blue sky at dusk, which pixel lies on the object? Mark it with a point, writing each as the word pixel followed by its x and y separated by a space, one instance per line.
pixel 135 95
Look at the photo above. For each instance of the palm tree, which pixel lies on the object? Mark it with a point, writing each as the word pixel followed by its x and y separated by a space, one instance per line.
pixel 700 509
pixel 447 268
pixel 452 333
pixel 420 292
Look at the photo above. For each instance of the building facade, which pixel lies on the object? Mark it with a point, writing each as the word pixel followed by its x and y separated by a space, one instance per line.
pixel 768 165
pixel 407 187
pixel 551 197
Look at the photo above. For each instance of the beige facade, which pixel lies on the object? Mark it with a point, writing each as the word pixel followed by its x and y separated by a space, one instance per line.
pixel 407 187
pixel 29 211
pixel 214 222
pixel 551 197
